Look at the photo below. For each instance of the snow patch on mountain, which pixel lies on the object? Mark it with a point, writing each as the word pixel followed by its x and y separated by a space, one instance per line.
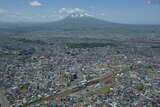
pixel 73 12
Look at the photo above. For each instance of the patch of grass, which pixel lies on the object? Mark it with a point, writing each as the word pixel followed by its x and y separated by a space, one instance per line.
pixel 24 88
pixel 90 77
pixel 31 41
pixel 90 45
pixel 6 54
pixel 149 67
pixel 104 90
pixel 140 88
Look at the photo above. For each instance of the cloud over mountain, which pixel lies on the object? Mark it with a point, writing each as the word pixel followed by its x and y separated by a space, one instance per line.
pixel 73 12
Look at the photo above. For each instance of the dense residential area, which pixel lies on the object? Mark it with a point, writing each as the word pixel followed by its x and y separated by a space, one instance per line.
pixel 43 71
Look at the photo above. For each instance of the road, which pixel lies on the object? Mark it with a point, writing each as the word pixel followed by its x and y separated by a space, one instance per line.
pixel 3 100
pixel 106 78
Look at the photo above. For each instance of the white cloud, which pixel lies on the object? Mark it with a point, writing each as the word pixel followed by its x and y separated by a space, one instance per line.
pixel 73 12
pixel 35 3
pixel 102 14
pixel 12 16
pixel 3 11
pixel 70 10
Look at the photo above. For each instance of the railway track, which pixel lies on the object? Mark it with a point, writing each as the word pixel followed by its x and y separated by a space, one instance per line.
pixel 106 78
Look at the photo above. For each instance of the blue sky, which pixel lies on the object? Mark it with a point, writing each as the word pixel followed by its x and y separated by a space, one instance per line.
pixel 122 11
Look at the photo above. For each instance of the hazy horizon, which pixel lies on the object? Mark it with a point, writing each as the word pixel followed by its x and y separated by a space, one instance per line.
pixel 126 11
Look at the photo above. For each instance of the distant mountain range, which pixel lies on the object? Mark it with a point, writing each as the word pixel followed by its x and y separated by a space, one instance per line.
pixel 72 22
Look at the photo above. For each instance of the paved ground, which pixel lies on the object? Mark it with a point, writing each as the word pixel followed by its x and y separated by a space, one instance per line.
pixel 3 100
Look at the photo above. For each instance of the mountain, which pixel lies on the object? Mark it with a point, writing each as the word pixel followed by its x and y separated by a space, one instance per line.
pixel 78 21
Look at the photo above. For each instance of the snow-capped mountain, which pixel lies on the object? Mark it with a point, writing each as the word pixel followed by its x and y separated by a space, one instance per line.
pixel 78 14
pixel 78 20
pixel 73 12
